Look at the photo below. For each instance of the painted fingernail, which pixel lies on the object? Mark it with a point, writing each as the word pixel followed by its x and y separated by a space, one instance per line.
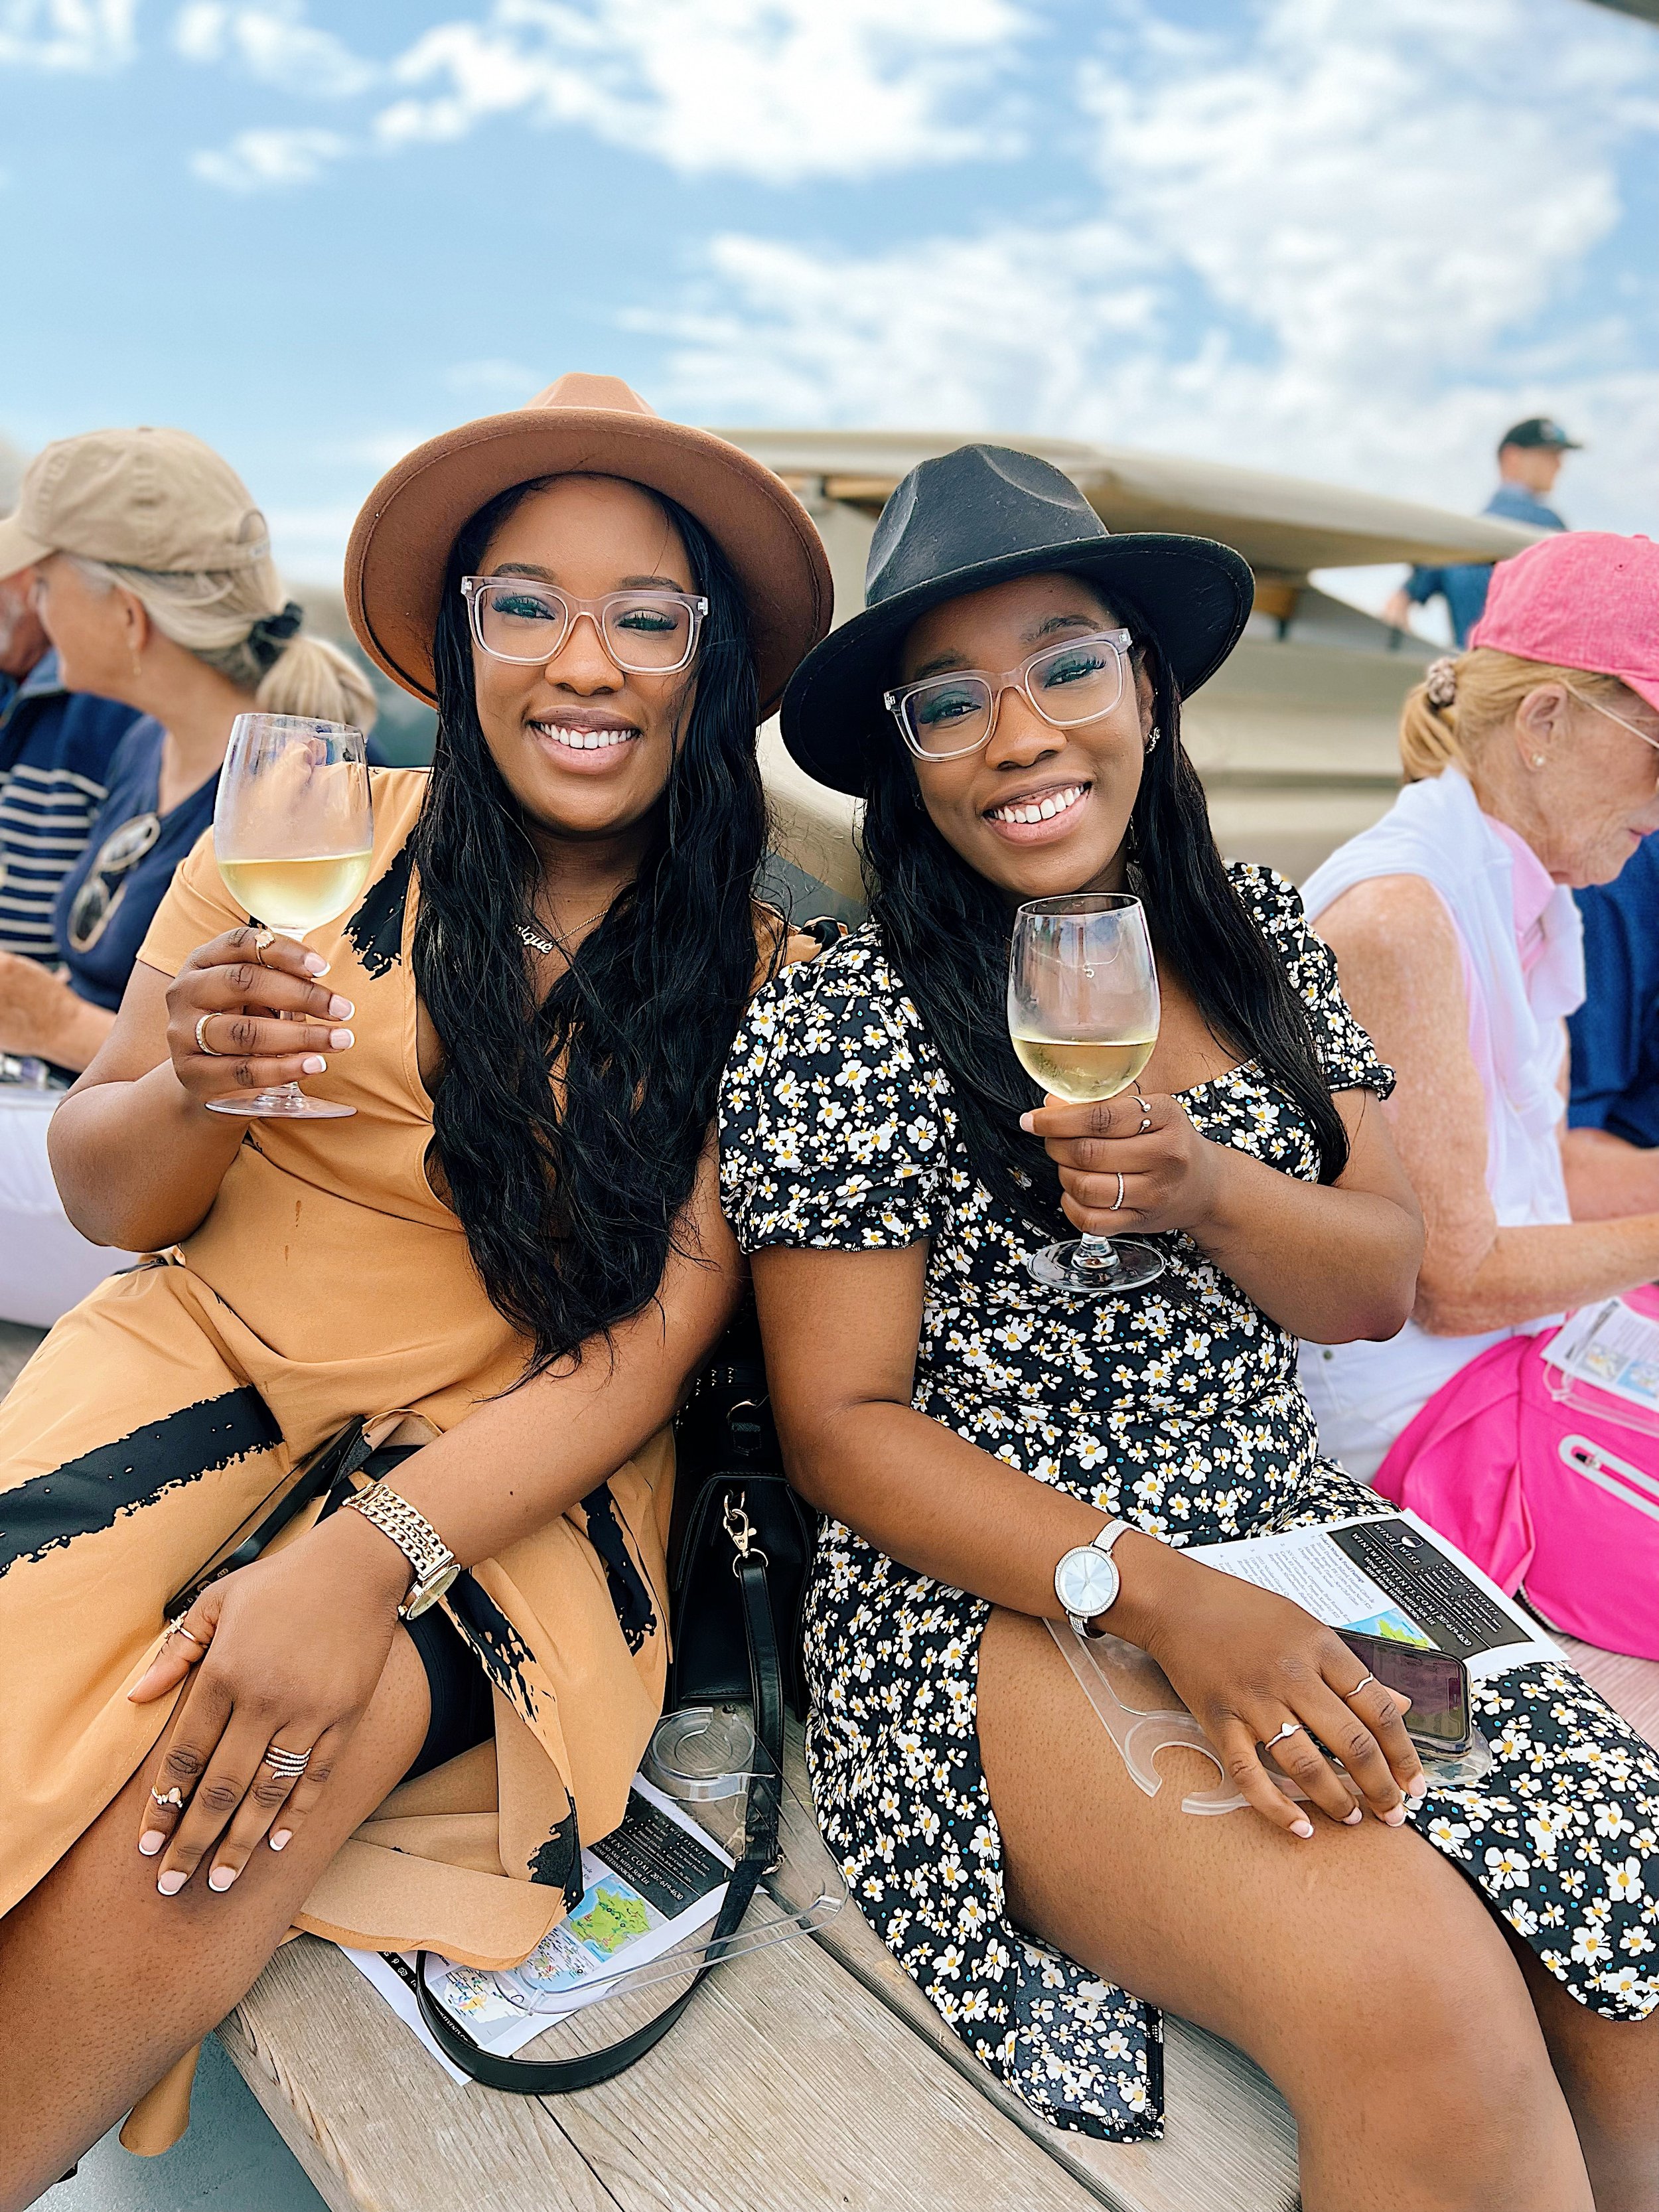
pixel 1395 1817
pixel 1025 1121
pixel 339 1009
pixel 313 1064
pixel 1303 1828
pixel 221 1877
pixel 281 1838
pixel 151 1842
pixel 172 1882
pixel 315 964
pixel 1418 1788
pixel 1349 1819
pixel 340 1040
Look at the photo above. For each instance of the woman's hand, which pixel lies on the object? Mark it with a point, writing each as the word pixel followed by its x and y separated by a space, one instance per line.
pixel 287 1653
pixel 1170 1174
pixel 38 1009
pixel 223 1007
pixel 1246 1663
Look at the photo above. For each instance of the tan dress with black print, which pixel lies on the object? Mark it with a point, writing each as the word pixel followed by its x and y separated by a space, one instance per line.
pixel 163 1414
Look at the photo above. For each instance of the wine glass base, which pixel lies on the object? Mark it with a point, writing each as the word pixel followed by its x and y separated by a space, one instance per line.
pixel 279 1106
pixel 1132 1266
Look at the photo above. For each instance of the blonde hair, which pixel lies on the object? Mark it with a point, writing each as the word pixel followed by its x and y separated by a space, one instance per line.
pixel 226 617
pixel 1463 699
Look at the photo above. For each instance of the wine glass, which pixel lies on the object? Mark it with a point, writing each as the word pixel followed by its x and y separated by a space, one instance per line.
pixel 1083 1009
pixel 293 833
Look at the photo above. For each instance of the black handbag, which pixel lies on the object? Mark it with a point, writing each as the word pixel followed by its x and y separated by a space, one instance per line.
pixel 740 1548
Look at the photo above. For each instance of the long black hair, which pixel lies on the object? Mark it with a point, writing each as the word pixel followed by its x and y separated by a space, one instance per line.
pixel 568 1128
pixel 947 929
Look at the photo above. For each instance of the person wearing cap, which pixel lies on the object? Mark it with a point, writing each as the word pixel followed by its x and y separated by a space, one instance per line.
pixel 1008 707
pixel 1529 456
pixel 153 582
pixel 55 751
pixel 512 1260
pixel 1532 767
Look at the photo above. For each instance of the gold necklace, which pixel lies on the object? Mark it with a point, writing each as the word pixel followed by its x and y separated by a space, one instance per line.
pixel 545 945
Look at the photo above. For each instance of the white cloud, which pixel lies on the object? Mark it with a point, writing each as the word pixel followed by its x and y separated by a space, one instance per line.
pixel 86 35
pixel 255 161
pixel 776 89
pixel 1327 244
pixel 274 44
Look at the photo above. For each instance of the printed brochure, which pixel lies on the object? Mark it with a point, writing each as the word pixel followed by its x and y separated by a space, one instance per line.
pixel 648 1886
pixel 1390 1575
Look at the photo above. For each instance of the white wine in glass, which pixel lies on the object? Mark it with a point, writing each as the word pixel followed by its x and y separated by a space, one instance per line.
pixel 294 835
pixel 1083 1012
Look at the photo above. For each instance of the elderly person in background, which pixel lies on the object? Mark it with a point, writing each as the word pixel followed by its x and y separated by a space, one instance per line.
pixel 55 751
pixel 1532 764
pixel 154 585
pixel 1613 1140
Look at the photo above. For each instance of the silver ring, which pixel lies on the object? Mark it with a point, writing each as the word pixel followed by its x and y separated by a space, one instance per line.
pixel 177 1628
pixel 1117 1203
pixel 291 1765
pixel 1290 1727
pixel 202 1044
pixel 1146 1115
pixel 1357 1687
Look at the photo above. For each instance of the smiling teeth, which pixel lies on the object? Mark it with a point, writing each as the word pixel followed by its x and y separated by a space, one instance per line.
pixel 1044 810
pixel 586 741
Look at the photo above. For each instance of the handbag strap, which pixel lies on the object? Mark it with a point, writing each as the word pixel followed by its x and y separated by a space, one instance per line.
pixel 538 2077
pixel 340 1457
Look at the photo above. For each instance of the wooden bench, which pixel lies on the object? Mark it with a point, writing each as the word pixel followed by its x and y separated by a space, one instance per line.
pixel 802 2078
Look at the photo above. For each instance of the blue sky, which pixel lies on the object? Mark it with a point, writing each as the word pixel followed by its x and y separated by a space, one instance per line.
pixel 1352 241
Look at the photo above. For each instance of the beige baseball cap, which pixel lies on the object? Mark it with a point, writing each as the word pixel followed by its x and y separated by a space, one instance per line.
pixel 142 499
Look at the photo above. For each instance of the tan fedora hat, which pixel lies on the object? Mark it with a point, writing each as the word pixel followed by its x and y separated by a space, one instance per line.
pixel 591 426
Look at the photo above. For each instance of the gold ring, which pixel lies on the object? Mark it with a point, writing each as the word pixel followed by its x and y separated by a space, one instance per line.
pixel 177 1628
pixel 202 1044
pixel 174 1798
pixel 261 938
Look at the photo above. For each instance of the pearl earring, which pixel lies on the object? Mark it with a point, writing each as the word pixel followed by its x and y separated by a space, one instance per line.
pixel 1538 760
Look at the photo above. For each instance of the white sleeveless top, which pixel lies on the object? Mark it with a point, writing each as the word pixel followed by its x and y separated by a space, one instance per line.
pixel 1365 1393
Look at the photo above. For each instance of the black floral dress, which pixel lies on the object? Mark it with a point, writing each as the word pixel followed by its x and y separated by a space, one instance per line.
pixel 1177 1406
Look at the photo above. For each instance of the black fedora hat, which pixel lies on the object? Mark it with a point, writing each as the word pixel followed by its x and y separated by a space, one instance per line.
pixel 978 516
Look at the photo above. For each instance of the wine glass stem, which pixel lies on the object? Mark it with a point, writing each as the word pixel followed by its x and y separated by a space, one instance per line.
pixel 1097 1254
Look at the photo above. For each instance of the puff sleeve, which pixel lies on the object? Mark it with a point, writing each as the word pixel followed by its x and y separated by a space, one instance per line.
pixel 834 1123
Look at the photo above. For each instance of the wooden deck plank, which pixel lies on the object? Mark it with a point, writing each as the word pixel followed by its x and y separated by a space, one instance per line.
pixel 786 2088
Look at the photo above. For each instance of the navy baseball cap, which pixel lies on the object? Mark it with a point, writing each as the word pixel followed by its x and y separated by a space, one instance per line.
pixel 1539 430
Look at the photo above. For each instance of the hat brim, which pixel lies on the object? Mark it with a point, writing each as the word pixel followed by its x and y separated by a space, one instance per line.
pixel 400 545
pixel 1193 594
pixel 17 548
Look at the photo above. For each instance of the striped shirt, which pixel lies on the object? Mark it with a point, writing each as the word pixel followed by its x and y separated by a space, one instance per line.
pixel 55 751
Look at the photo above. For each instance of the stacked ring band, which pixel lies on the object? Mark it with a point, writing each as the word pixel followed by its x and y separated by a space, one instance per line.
pixel 291 1765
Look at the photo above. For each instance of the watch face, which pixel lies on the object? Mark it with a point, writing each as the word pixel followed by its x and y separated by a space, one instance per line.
pixel 1086 1582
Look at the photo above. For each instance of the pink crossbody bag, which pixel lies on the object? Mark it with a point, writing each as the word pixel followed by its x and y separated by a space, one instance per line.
pixel 1549 1484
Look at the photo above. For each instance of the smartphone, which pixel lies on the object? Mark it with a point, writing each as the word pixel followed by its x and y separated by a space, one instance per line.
pixel 1437 1685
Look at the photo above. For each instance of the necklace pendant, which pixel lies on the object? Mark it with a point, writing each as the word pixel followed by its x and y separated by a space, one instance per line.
pixel 535 940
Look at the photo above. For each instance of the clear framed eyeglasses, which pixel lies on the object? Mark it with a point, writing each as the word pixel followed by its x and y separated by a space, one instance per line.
pixel 645 632
pixel 945 717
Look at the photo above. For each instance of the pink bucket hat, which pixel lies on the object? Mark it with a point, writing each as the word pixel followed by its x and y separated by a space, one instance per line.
pixel 1583 599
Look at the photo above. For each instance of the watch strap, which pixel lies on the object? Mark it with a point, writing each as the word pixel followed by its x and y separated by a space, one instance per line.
pixel 407 1527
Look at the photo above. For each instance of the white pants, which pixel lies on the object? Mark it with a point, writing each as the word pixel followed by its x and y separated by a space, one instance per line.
pixel 47 1266
pixel 1364 1395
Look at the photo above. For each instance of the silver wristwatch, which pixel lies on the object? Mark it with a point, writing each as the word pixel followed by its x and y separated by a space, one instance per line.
pixel 433 1564
pixel 1087 1580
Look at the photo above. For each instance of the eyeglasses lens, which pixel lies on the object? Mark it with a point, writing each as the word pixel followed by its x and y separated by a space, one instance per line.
pixel 642 633
pixel 1073 683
